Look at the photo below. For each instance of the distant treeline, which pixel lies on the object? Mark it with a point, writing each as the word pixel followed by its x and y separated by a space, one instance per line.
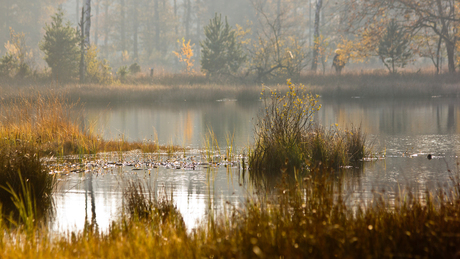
pixel 264 38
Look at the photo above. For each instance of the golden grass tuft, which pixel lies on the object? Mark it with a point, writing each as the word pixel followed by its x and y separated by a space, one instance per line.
pixel 287 139
pixel 45 122
pixel 50 123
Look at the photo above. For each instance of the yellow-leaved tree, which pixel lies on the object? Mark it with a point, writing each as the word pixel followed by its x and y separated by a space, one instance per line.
pixel 185 56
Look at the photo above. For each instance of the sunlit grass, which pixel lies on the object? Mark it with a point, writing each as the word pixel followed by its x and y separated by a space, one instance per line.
pixel 288 140
pixel 46 122
pixel 306 219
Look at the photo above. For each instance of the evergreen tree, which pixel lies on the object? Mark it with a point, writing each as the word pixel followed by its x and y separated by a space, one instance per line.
pixel 394 47
pixel 221 52
pixel 60 45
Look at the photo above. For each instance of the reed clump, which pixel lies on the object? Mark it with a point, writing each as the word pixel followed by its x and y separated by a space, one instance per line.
pixel 334 147
pixel 287 139
pixel 145 204
pixel 51 124
pixel 45 122
pixel 25 183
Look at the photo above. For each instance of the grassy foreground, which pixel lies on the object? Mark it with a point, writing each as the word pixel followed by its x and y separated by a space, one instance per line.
pixel 309 219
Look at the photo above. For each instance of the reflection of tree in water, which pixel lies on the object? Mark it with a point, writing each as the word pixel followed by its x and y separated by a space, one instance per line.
pixel 394 122
pixel 226 121
pixel 346 180
pixel 188 126
pixel 448 125
pixel 450 118
pixel 90 190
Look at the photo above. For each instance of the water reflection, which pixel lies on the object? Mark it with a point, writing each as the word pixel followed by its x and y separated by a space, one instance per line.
pixel 95 196
pixel 186 123
pixel 183 124
pixel 402 132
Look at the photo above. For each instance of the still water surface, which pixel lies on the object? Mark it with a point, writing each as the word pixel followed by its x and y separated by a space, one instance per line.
pixel 402 131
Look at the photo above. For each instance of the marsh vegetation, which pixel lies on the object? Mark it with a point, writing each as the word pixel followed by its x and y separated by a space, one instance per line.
pixel 306 209
pixel 299 190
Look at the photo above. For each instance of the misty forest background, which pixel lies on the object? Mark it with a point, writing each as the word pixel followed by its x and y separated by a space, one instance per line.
pixel 264 38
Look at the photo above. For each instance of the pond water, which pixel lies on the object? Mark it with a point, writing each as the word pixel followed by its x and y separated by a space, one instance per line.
pixel 403 131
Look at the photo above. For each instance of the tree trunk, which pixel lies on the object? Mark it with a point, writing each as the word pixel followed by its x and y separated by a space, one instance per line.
pixel 157 25
pixel 448 40
pixel 82 47
pixel 122 26
pixel 87 23
pixel 176 63
pixel 175 17
pixel 77 13
pixel 106 30
pixel 438 55
pixel 96 25
pixel 278 13
pixel 135 31
pixel 187 19
pixel 198 29
pixel 314 64
pixel 450 48
pixel 309 23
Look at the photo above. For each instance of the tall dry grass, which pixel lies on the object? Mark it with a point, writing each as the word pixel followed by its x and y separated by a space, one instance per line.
pixel 179 87
pixel 26 185
pixel 308 219
pixel 45 122
pixel 51 123
pixel 288 140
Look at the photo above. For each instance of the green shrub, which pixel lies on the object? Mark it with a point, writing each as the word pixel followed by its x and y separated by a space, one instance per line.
pixel 23 70
pixel 222 54
pixel 134 69
pixel 8 64
pixel 123 72
pixel 18 57
pixel 97 71
pixel 394 47
pixel 60 45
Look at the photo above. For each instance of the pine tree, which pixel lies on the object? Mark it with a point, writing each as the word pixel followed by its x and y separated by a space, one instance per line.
pixel 221 51
pixel 394 48
pixel 60 45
